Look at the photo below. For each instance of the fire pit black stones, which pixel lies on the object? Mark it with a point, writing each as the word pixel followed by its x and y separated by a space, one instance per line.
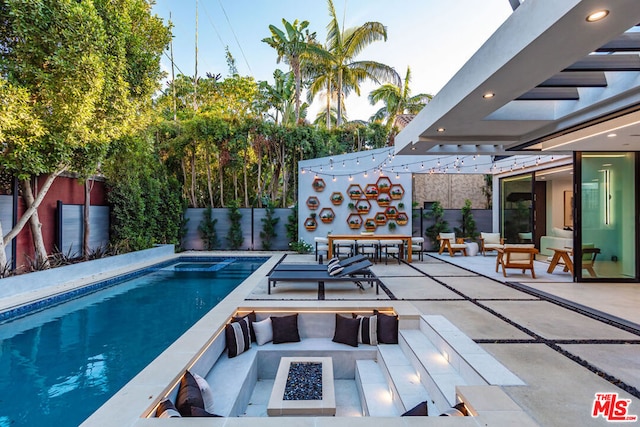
pixel 303 386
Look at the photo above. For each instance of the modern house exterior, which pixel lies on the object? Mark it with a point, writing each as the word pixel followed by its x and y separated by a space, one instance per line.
pixel 556 79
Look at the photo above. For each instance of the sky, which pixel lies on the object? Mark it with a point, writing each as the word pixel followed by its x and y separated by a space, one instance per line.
pixel 433 37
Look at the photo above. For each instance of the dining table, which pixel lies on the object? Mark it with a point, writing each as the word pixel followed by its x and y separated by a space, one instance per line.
pixel 404 237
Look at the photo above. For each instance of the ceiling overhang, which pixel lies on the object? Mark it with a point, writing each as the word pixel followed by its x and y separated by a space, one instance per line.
pixel 549 71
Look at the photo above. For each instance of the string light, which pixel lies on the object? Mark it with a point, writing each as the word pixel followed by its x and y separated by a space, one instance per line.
pixel 350 178
pixel 334 178
pixel 365 174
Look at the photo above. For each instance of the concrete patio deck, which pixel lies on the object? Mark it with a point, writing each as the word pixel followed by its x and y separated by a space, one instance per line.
pixel 566 353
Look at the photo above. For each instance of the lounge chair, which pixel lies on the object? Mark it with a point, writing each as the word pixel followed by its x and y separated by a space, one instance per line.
pixel 520 256
pixel 358 272
pixel 452 244
pixel 318 267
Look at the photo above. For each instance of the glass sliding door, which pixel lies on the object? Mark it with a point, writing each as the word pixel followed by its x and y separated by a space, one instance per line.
pixel 516 200
pixel 607 216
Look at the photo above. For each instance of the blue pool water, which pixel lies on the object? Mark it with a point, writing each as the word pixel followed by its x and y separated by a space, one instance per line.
pixel 59 365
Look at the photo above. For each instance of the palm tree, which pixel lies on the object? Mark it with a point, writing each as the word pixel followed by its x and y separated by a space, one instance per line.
pixel 293 47
pixel 397 100
pixel 344 46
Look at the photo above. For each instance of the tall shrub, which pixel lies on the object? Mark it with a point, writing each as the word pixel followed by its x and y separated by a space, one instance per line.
pixel 147 207
pixel 292 224
pixel 207 230
pixel 439 226
pixel 468 224
pixel 234 236
pixel 268 225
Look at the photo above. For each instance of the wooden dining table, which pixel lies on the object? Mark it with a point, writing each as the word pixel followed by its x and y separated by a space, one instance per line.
pixel 404 237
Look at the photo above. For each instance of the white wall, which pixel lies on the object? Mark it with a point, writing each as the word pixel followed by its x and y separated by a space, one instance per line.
pixel 349 169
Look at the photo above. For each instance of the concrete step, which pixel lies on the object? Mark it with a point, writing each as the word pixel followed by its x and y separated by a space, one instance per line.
pixel 375 397
pixel 437 375
pixel 402 378
pixel 473 363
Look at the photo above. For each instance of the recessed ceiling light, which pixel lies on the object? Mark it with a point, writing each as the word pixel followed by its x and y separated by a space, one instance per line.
pixel 413 148
pixel 440 129
pixel 488 95
pixel 597 15
pixel 606 164
pixel 611 135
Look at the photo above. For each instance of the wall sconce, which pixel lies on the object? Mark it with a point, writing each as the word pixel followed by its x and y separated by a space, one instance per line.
pixel 607 196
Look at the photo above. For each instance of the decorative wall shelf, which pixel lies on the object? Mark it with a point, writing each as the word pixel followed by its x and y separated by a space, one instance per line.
pixel 380 218
pixel 363 206
pixel 384 199
pixel 313 203
pixel 371 191
pixel 383 184
pixel 391 212
pixel 396 192
pixel 354 191
pixel 318 184
pixel 327 215
pixel 402 218
pixel 310 224
pixel 354 221
pixel 370 224
pixel 337 198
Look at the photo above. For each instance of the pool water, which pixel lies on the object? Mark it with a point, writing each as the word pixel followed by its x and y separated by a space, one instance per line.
pixel 59 365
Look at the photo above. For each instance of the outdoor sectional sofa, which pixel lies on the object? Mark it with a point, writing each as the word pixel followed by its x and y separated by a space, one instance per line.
pixel 470 375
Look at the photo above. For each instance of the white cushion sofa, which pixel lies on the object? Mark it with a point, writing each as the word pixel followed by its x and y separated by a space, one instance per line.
pixel 559 238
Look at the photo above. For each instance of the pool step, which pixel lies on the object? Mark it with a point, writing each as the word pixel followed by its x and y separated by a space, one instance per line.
pixel 373 389
pixel 402 378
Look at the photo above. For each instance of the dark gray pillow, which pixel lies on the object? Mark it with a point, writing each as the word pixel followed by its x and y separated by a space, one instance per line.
pixel 387 328
pixel 166 409
pixel 189 395
pixel 199 412
pixel 420 410
pixel 346 330
pixel 285 329
pixel 238 337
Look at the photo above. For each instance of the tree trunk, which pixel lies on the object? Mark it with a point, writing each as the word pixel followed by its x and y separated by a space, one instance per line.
pixel 209 183
pixel 339 107
pixel 220 178
pixel 284 178
pixel 87 230
pixel 235 183
pixel 31 209
pixel 328 102
pixel 185 178
pixel 260 184
pixel 36 226
pixel 246 179
pixel 3 255
pixel 295 65
pixel 193 177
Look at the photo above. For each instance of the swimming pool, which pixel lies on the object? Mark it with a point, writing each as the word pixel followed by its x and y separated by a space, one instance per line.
pixel 59 365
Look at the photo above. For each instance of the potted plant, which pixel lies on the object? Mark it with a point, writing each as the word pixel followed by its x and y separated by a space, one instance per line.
pixel 468 224
pixel 351 206
pixel 370 224
pixel 337 198
pixel 392 226
pixel 439 224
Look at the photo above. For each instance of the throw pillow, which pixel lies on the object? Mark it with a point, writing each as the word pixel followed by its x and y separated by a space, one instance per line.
pixel 335 269
pixel 285 329
pixel 459 410
pixel 252 318
pixel 368 329
pixel 420 410
pixel 263 330
pixel 333 261
pixel 387 328
pixel 237 335
pixel 346 331
pixel 199 412
pixel 189 395
pixel 166 409
pixel 207 393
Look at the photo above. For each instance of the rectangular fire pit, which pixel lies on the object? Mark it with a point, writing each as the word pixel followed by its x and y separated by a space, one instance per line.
pixel 303 386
